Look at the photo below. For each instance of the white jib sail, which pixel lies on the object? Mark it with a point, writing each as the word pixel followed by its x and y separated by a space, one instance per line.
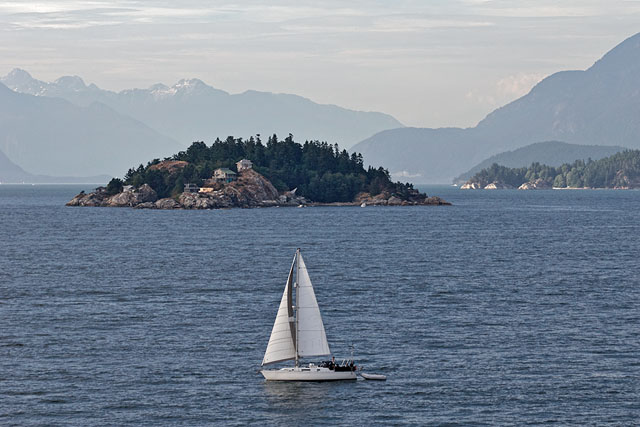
pixel 282 341
pixel 312 340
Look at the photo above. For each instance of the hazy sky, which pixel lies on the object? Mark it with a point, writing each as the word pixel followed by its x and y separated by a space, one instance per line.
pixel 429 63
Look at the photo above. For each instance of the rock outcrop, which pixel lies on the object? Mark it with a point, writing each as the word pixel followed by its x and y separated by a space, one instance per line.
pixel 627 180
pixel 144 194
pixel 92 199
pixel 538 184
pixel 479 185
pixel 167 204
pixel 471 186
pixel 251 190
pixel 203 201
pixel 387 199
pixel 100 197
pixel 498 186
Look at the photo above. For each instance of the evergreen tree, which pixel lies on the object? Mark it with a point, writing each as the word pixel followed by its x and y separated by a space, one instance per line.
pixel 620 170
pixel 114 186
pixel 320 171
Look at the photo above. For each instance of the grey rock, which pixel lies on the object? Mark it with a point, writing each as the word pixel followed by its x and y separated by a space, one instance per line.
pixel 395 201
pixel 128 198
pixel 471 186
pixel 167 204
pixel 538 184
pixel 146 194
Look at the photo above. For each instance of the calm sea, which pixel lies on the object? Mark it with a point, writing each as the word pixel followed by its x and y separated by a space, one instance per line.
pixel 507 308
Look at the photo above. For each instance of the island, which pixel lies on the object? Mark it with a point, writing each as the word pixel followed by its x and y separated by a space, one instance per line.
pixel 619 171
pixel 248 174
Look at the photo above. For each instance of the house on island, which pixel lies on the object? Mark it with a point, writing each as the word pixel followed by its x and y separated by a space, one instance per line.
pixel 244 164
pixel 191 188
pixel 224 175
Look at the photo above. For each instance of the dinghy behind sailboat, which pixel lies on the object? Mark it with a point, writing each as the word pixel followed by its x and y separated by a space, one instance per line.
pixel 298 332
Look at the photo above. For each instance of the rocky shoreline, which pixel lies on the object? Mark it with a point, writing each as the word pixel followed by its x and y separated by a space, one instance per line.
pixel 538 184
pixel 251 190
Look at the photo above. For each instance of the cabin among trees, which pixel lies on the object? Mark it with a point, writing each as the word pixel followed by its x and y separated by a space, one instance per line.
pixel 244 164
pixel 320 171
pixel 224 175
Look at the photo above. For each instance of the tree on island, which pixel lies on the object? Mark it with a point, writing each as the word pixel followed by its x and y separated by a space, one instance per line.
pixel 621 170
pixel 114 186
pixel 320 171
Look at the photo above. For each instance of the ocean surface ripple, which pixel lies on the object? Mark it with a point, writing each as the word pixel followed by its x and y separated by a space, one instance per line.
pixel 509 307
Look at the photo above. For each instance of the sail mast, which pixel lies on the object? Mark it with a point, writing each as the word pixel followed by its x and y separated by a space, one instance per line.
pixel 297 298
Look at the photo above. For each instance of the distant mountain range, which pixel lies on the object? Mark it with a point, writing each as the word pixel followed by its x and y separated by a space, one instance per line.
pixel 599 106
pixel 192 111
pixel 10 173
pixel 51 136
pixel 550 153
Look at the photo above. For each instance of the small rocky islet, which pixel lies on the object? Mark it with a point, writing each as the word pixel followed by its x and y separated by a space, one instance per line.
pixel 249 190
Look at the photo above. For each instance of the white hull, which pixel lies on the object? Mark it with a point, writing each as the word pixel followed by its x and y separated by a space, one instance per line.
pixel 375 377
pixel 312 373
pixel 298 332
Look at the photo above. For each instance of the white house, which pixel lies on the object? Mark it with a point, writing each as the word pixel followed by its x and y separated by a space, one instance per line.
pixel 224 175
pixel 244 164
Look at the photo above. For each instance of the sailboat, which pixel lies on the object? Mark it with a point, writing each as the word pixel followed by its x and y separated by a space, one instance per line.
pixel 298 332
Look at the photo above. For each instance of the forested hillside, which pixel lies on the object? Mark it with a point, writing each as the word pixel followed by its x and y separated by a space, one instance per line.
pixel 622 170
pixel 320 171
pixel 552 153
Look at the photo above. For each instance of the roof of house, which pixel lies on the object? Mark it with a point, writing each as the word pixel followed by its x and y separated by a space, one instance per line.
pixel 225 170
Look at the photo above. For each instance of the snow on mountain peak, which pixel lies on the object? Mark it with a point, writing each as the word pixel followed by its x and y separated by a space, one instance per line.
pixel 189 85
pixel 160 90
pixel 184 86
pixel 21 81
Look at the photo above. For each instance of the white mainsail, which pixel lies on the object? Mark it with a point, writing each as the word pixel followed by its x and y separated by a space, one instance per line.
pixel 312 339
pixel 282 344
pixel 301 335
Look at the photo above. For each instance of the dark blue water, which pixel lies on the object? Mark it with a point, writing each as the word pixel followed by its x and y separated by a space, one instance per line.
pixel 507 308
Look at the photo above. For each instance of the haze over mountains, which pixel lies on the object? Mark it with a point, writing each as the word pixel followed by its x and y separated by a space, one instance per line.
pixel 12 173
pixel 599 106
pixel 51 136
pixel 191 111
pixel 68 128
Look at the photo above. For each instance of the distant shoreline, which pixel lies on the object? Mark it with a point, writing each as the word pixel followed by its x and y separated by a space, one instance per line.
pixel 52 183
pixel 554 188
